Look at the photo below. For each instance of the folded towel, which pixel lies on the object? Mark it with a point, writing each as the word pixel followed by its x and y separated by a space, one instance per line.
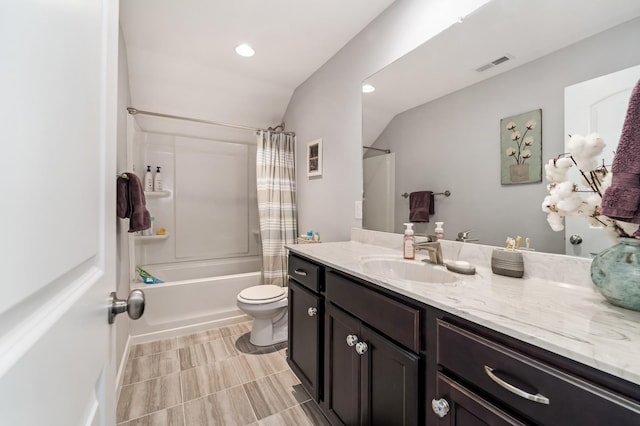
pixel 421 205
pixel 131 203
pixel 621 201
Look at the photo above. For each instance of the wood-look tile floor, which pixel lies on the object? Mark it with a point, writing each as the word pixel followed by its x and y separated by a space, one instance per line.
pixel 214 377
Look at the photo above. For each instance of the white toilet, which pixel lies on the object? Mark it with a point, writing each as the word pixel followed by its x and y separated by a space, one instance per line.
pixel 267 304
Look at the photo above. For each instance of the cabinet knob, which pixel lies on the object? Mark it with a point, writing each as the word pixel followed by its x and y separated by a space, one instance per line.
pixel 352 339
pixel 440 407
pixel 312 311
pixel 361 348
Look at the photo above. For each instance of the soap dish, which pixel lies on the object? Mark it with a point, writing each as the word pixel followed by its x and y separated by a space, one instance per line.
pixel 465 268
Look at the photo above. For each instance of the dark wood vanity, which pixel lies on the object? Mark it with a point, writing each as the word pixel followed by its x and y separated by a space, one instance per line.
pixel 370 356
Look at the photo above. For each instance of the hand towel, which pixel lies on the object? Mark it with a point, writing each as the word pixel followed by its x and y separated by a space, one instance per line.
pixel 131 203
pixel 621 201
pixel 421 205
pixel 123 208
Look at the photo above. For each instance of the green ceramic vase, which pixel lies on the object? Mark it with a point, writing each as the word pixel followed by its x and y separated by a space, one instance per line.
pixel 616 273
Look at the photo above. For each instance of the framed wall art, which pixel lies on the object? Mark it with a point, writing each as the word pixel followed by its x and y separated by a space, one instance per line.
pixel 314 158
pixel 521 148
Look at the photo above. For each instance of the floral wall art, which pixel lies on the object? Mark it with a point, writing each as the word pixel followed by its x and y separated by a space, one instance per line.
pixel 521 148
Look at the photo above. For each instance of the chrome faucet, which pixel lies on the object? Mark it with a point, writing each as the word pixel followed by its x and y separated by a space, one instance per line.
pixel 464 237
pixel 433 248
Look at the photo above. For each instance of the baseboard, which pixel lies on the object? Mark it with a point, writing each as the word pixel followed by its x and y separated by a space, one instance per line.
pixel 122 365
pixel 178 331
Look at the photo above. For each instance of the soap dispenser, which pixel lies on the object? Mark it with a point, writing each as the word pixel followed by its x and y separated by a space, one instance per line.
pixel 148 180
pixel 408 247
pixel 157 180
pixel 439 231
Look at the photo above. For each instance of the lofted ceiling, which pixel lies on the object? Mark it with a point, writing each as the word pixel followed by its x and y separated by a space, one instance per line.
pixel 182 61
pixel 521 29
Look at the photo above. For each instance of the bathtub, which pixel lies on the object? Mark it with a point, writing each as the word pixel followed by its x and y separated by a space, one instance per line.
pixel 194 296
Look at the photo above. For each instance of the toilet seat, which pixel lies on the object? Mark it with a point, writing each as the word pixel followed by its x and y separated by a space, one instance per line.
pixel 262 294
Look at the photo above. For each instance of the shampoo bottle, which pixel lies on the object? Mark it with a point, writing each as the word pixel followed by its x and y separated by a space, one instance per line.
pixel 148 180
pixel 408 247
pixel 157 180
pixel 439 230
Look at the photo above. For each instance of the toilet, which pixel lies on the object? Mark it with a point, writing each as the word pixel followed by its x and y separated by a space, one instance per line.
pixel 267 304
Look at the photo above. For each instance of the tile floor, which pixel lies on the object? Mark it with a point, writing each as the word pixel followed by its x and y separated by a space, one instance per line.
pixel 214 377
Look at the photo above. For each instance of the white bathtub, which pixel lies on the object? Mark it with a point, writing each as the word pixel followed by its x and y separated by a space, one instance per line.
pixel 194 296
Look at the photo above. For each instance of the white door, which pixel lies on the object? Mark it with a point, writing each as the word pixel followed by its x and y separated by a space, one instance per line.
pixel 379 177
pixel 598 105
pixel 58 90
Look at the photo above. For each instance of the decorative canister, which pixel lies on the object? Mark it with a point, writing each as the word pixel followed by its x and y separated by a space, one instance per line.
pixel 616 273
pixel 507 262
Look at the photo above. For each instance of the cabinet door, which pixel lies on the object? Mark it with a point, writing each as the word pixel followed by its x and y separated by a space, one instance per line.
pixel 341 401
pixel 305 322
pixel 389 375
pixel 465 408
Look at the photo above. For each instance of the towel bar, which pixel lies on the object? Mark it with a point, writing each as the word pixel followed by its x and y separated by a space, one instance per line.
pixel 445 193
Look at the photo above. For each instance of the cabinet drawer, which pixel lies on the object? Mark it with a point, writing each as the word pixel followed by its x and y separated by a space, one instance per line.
pixel 514 379
pixel 396 320
pixel 304 272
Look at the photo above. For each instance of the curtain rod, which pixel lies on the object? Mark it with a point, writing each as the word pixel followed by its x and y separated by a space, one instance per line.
pixel 388 151
pixel 134 111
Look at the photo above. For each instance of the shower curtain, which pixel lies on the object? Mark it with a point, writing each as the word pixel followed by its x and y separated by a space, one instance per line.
pixel 276 182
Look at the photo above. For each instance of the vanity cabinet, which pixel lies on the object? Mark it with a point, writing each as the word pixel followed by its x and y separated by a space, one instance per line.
pixel 370 379
pixel 372 356
pixel 529 390
pixel 306 313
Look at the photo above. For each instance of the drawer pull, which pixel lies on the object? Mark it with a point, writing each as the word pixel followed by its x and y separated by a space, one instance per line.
pixel 300 272
pixel 312 311
pixel 352 339
pixel 541 399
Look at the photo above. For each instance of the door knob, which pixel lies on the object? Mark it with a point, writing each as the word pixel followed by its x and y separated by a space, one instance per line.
pixel 312 311
pixel 133 306
pixel 575 239
pixel 352 339
pixel 361 348
pixel 440 407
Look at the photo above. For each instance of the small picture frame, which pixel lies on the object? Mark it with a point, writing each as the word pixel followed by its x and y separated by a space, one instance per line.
pixel 314 158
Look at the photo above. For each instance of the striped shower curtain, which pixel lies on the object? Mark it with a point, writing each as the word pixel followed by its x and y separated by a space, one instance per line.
pixel 276 182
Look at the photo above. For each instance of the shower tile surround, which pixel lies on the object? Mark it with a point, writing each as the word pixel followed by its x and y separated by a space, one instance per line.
pixel 213 377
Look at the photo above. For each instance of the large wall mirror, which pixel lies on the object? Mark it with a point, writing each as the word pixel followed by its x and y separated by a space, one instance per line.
pixel 435 114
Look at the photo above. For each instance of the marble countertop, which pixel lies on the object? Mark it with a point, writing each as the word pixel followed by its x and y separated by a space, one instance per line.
pixel 572 320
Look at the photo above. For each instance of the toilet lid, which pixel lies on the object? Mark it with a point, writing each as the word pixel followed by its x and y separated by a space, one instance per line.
pixel 263 292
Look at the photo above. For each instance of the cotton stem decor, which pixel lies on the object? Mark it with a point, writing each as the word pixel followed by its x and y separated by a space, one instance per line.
pixel 566 199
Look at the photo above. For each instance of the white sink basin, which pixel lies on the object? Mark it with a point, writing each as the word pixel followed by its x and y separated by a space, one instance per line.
pixel 410 270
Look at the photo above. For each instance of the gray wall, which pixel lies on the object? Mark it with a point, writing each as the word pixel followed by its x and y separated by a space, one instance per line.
pixel 328 106
pixel 122 255
pixel 454 142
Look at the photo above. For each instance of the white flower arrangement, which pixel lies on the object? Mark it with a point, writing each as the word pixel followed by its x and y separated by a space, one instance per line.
pixel 565 199
pixel 521 153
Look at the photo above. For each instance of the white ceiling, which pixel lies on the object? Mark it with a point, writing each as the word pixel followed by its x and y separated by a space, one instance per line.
pixel 182 61
pixel 524 29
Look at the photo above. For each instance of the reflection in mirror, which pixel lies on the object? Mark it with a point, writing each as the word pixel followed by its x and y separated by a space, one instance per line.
pixel 438 110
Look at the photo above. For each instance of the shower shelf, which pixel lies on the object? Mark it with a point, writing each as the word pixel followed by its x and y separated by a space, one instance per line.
pixel 156 194
pixel 143 238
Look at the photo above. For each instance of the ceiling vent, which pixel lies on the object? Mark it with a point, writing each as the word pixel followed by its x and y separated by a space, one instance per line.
pixel 495 62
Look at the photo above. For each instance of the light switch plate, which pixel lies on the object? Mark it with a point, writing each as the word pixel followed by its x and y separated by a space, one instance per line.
pixel 358 209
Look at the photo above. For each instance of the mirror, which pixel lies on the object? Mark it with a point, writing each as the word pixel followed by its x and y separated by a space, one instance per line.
pixel 438 111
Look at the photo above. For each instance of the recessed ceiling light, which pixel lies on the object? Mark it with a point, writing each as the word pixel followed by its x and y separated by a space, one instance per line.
pixel 245 50
pixel 367 88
